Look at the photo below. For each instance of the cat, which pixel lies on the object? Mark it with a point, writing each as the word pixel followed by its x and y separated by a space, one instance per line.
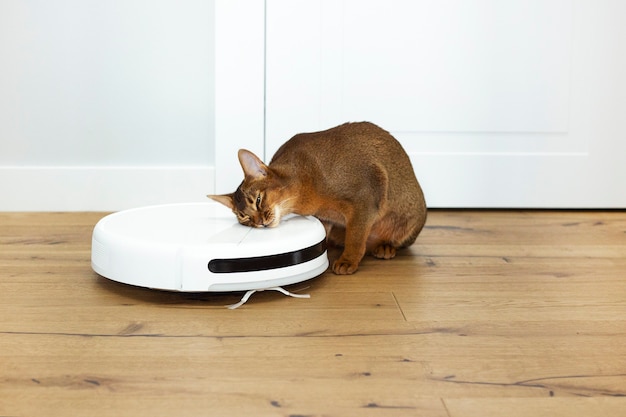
pixel 355 178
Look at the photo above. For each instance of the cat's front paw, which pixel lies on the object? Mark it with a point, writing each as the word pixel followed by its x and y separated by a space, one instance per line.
pixel 344 267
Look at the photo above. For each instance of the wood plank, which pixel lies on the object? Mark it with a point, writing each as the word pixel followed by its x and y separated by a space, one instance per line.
pixel 536 407
pixel 185 315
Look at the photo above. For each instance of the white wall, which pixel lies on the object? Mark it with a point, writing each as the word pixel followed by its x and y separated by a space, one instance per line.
pixel 115 97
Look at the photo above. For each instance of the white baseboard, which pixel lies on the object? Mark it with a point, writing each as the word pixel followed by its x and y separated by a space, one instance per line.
pixel 101 188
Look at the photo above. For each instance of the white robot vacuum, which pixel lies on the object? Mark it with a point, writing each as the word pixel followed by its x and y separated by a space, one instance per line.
pixel 201 247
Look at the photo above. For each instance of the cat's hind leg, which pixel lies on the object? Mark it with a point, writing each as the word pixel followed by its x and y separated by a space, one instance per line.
pixel 389 234
pixel 384 251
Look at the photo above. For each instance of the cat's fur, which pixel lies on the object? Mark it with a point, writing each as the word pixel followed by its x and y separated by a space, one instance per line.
pixel 355 178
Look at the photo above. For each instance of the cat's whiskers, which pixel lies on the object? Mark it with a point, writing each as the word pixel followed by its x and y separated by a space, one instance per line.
pixel 284 205
pixel 279 211
pixel 276 216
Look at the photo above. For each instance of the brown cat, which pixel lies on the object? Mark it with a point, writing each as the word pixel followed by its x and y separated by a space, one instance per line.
pixel 355 178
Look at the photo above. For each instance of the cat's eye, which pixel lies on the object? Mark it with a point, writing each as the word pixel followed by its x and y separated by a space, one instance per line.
pixel 258 201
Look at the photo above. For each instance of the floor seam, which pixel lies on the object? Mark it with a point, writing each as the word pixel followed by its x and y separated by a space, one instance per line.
pixel 445 407
pixel 393 294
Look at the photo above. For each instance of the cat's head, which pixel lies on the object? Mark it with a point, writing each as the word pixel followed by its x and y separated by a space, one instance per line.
pixel 258 201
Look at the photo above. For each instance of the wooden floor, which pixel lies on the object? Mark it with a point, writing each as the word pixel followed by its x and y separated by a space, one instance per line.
pixel 488 314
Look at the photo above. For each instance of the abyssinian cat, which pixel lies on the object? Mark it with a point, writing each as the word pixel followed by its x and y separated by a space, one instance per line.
pixel 356 178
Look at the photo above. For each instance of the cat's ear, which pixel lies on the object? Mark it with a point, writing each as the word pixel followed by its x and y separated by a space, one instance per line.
pixel 225 199
pixel 252 166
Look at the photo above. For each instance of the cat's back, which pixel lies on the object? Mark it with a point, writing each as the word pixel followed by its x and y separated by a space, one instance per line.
pixel 347 157
pixel 360 142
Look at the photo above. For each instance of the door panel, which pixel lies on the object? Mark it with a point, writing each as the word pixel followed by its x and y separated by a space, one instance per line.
pixel 460 66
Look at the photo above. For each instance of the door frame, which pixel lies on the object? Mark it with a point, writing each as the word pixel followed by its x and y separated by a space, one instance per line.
pixel 239 86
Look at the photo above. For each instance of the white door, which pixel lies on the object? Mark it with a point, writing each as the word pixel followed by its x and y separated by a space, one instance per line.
pixel 517 103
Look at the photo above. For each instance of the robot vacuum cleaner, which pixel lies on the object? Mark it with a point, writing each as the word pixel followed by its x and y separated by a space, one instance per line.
pixel 201 247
